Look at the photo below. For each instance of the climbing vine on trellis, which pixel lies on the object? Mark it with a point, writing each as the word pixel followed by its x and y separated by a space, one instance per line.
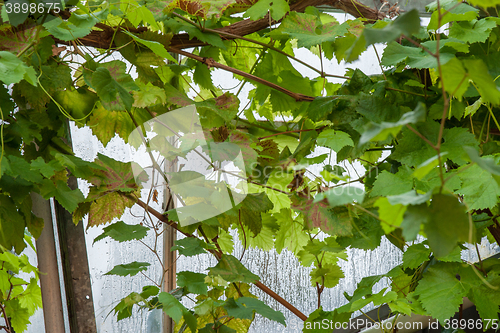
pixel 433 110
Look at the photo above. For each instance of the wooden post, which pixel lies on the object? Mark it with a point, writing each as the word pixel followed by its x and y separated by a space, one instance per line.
pixel 75 270
pixel 47 264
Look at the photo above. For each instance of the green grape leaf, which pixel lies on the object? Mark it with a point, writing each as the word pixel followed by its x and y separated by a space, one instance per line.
pixel 174 309
pixel 413 151
pixel 392 184
pixel 238 310
pixel 13 69
pixel 77 26
pixel 122 232
pixel 202 76
pixel 148 95
pixel 290 234
pixel 67 197
pixel 78 103
pixel 365 235
pixel 486 299
pixel 105 208
pixel 265 239
pixel 314 323
pixel 415 57
pixel 129 269
pixel 106 124
pixel 252 207
pixel 321 107
pixel 415 255
pixel 478 72
pixel 124 308
pixel 440 283
pixel 19 315
pixel 427 166
pixel 192 282
pixel 190 246
pixel 231 270
pixel 335 140
pixel 409 198
pixel 148 291
pixel 390 215
pixel 412 219
pixel 394 53
pixel 138 13
pixel 379 298
pixel 479 187
pixel 452 12
pixel 339 196
pixel 405 24
pixel 244 307
pixel 157 48
pixel 328 275
pixel 21 168
pixel 113 86
pixel 485 163
pixel 12 225
pixel 447 224
pixel 31 298
pixel 309 30
pixel 472 109
pixel 472 31
pixel 380 131
pixel 277 9
pixel 484 3
pixel 78 167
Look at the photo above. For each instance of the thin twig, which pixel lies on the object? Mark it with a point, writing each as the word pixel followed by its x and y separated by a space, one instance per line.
pixel 421 136
pixel 212 63
pixel 258 284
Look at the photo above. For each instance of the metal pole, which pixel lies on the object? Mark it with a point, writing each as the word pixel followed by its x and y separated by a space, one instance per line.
pixel 47 264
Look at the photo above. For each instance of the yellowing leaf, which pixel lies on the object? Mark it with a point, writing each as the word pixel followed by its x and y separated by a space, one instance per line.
pixel 107 207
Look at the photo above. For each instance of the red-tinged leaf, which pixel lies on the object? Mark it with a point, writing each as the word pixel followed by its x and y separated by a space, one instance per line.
pixel 335 222
pixel 205 9
pixel 249 154
pixel 107 207
pixel 227 105
pixel 176 97
pixel 193 7
pixel 217 7
pixel 16 39
pixel 117 176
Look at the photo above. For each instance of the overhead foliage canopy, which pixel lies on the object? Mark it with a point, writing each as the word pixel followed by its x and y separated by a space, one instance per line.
pixel 425 131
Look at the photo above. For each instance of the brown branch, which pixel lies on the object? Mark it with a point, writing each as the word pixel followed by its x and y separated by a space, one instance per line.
pixel 212 63
pixel 218 255
pixel 103 38
pixel 421 136
pixel 293 131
